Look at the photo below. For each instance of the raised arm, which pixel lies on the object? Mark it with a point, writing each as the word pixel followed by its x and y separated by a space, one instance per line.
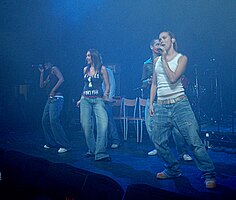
pixel 42 83
pixel 174 76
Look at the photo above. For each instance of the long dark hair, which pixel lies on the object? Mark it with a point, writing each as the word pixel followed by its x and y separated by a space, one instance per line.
pixel 96 59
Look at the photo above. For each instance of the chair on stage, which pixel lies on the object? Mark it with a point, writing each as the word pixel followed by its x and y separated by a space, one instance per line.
pixel 129 111
pixel 141 115
pixel 117 109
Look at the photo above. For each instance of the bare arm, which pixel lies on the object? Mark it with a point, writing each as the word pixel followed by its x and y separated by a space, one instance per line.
pixel 78 102
pixel 106 81
pixel 174 76
pixel 42 83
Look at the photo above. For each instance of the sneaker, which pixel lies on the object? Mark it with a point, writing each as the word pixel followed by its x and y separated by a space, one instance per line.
pixel 163 175
pixel 63 150
pixel 210 183
pixel 46 147
pixel 152 153
pixel 114 146
pixel 187 157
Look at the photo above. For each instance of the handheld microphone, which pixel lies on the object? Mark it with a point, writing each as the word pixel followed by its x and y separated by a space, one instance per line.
pixel 38 66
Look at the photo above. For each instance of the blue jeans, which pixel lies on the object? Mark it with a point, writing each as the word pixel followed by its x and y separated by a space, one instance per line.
pixel 181 145
pixel 113 134
pixel 178 138
pixel 96 105
pixel 180 116
pixel 149 121
pixel 54 133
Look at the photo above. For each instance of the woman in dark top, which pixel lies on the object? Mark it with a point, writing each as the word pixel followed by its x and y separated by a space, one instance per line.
pixel 54 133
pixel 92 104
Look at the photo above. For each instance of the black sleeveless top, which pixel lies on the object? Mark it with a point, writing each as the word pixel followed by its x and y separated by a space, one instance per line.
pixel 51 82
pixel 93 86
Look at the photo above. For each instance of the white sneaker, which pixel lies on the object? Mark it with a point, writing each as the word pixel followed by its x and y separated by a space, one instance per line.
pixel 46 147
pixel 187 157
pixel 152 153
pixel 114 146
pixel 62 150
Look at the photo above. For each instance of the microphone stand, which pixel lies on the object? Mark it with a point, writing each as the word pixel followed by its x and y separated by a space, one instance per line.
pixel 218 101
pixel 196 87
pixel 217 93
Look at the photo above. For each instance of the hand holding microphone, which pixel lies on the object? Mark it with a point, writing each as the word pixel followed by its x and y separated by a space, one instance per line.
pixel 37 66
pixel 161 50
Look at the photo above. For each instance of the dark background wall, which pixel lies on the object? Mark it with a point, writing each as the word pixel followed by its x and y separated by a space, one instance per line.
pixel 62 31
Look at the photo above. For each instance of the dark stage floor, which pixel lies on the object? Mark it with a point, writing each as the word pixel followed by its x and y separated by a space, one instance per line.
pixel 130 164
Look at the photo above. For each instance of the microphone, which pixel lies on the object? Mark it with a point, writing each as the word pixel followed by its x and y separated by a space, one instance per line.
pixel 37 66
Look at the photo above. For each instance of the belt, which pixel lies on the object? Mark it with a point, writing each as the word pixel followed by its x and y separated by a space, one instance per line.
pixel 55 97
pixel 173 100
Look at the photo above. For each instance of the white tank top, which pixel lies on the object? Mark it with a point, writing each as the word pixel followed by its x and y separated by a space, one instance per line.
pixel 166 89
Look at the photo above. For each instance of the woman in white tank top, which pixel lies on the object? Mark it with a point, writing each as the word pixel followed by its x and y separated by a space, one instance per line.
pixel 173 110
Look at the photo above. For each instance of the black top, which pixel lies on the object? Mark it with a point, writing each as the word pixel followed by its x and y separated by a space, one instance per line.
pixel 51 82
pixel 93 86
